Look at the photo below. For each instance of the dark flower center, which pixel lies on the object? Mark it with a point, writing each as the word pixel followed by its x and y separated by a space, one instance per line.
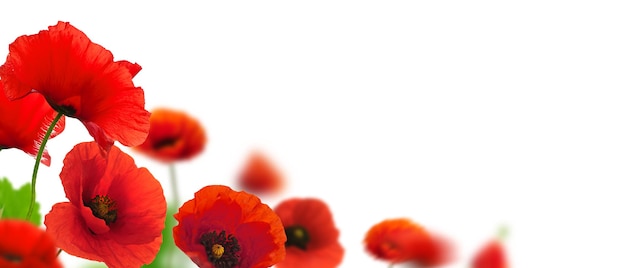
pixel 221 249
pixel 11 258
pixel 164 143
pixel 104 208
pixel 297 236
pixel 64 109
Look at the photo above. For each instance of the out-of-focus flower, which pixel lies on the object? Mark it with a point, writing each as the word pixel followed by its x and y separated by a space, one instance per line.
pixel 312 238
pixel 174 136
pixel 79 79
pixel 24 245
pixel 491 255
pixel 402 240
pixel 24 122
pixel 221 227
pixel 116 211
pixel 260 176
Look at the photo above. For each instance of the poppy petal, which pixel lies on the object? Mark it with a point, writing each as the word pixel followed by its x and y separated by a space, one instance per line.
pixel 24 122
pixel 80 79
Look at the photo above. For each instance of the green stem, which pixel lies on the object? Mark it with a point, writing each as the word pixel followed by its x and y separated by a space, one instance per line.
pixel 42 147
pixel 174 203
pixel 174 185
pixel 59 252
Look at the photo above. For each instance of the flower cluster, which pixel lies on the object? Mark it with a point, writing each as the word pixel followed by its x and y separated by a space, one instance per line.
pixel 117 213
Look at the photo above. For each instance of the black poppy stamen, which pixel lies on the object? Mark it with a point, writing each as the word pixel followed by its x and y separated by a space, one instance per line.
pixel 221 249
pixel 165 142
pixel 11 258
pixel 104 208
pixel 64 109
pixel 297 236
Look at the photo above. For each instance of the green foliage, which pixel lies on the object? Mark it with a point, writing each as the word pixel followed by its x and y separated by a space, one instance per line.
pixel 169 253
pixel 14 203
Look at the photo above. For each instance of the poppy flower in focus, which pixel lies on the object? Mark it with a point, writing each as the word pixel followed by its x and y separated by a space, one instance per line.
pixel 24 122
pixel 79 79
pixel 312 238
pixel 24 245
pixel 174 135
pixel 491 255
pixel 259 175
pixel 401 240
pixel 223 228
pixel 115 213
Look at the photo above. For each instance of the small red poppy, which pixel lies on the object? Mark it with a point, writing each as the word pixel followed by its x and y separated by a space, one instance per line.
pixel 79 79
pixel 491 255
pixel 24 122
pixel 402 240
pixel 223 228
pixel 24 245
pixel 174 135
pixel 312 238
pixel 116 211
pixel 260 176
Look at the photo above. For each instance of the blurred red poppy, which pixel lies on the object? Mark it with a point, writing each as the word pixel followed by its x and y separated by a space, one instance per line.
pixel 402 240
pixel 174 135
pixel 116 211
pixel 79 79
pixel 223 228
pixel 491 255
pixel 24 245
pixel 24 122
pixel 260 176
pixel 312 238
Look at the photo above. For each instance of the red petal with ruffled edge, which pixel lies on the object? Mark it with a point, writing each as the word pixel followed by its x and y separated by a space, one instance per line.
pixel 257 229
pixel 24 122
pixel 80 79
pixel 134 237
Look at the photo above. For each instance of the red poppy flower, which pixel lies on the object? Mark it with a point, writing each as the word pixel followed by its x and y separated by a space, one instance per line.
pixel 312 238
pixel 401 240
pixel 491 255
pixel 79 79
pixel 223 228
pixel 174 135
pixel 259 175
pixel 24 122
pixel 116 211
pixel 24 245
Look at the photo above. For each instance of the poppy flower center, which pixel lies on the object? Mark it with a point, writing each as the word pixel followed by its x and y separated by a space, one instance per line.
pixel 297 236
pixel 61 108
pixel 221 249
pixel 166 142
pixel 104 208
pixel 11 258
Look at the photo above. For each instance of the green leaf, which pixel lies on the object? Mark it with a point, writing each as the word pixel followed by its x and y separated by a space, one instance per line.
pixel 14 203
pixel 169 253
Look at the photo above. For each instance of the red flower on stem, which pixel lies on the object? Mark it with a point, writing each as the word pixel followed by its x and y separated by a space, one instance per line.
pixel 312 238
pixel 79 79
pixel 491 255
pixel 24 122
pixel 115 213
pixel 174 135
pixel 402 240
pixel 259 175
pixel 24 245
pixel 223 228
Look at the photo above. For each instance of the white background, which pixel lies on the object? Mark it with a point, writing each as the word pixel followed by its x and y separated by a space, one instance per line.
pixel 462 115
